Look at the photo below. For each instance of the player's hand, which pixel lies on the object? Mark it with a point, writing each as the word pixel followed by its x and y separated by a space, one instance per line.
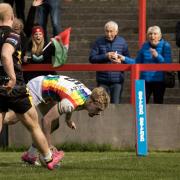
pixel 10 85
pixel 71 124
pixel 37 2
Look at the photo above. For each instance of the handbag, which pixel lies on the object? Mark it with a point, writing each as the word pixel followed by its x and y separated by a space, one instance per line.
pixel 169 79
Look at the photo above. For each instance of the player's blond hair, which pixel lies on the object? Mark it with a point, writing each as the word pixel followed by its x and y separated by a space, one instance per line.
pixel 100 97
pixel 6 12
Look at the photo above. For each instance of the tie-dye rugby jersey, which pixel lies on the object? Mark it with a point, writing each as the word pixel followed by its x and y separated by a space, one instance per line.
pixel 57 87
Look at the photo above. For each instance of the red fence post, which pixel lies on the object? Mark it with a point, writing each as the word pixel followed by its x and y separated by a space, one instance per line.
pixel 142 22
pixel 135 74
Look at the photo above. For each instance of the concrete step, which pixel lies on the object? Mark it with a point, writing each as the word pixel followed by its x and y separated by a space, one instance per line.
pixel 100 3
pixel 99 23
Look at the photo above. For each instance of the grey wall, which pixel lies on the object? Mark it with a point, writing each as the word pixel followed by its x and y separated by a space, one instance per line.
pixel 115 126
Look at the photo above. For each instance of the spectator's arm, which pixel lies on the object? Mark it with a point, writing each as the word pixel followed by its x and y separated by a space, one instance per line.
pixel 139 58
pixel 126 59
pixel 129 60
pixel 125 50
pixel 165 57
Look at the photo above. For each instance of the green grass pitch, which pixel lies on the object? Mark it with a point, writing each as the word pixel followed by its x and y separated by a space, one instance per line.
pixel 96 166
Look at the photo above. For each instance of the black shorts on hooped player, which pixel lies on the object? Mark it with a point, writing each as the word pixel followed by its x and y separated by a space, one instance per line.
pixel 19 100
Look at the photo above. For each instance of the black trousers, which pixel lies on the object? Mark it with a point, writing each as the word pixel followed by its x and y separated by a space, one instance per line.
pixel 20 7
pixel 157 89
pixel 179 71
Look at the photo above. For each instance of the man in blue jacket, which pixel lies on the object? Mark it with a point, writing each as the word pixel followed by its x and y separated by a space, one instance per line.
pixel 105 51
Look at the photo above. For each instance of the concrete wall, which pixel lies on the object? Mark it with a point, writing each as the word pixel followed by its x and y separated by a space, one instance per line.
pixel 115 126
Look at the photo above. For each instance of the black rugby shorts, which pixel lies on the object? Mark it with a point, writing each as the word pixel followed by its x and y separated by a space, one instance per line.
pixel 19 103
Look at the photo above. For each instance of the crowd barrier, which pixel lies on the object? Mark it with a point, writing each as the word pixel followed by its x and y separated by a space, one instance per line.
pixel 134 69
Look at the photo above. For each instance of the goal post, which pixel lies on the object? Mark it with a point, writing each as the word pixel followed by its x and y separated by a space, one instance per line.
pixel 141 120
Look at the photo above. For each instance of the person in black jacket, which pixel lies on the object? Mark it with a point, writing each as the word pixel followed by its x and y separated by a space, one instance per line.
pixel 20 7
pixel 33 48
pixel 52 8
pixel 105 51
pixel 36 55
pixel 177 34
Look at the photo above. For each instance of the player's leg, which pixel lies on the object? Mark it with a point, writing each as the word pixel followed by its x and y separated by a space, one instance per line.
pixel 50 122
pixel 2 115
pixel 3 110
pixel 30 120
pixel 10 118
pixel 44 108
pixel 32 154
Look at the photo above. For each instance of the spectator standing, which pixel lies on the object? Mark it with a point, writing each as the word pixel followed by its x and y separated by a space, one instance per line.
pixel 177 34
pixel 32 17
pixel 104 51
pixel 13 92
pixel 154 51
pixel 20 7
pixel 34 50
pixel 52 8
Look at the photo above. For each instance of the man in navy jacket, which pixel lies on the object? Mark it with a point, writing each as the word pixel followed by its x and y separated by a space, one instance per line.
pixel 105 51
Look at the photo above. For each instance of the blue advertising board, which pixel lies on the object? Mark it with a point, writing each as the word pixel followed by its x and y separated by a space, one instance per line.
pixel 141 120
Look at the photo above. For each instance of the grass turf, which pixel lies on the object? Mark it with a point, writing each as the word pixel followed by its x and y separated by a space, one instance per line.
pixel 96 166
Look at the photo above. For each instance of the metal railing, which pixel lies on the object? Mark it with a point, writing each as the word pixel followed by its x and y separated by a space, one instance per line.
pixel 135 69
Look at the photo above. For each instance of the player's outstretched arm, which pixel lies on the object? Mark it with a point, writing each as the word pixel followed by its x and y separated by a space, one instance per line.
pixel 69 122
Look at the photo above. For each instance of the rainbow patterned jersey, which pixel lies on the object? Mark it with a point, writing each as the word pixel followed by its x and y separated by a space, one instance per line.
pixel 58 87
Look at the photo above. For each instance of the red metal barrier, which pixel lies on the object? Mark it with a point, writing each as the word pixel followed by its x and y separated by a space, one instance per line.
pixel 142 22
pixel 78 67
pixel 135 69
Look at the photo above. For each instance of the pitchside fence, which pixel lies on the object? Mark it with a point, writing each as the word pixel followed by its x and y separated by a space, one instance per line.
pixel 137 89
pixel 137 92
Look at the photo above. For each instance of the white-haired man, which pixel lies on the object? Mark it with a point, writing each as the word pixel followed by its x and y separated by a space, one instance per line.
pixel 105 51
